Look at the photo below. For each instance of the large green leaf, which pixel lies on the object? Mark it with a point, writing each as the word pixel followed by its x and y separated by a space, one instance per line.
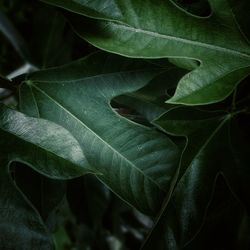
pixel 156 29
pixel 212 149
pixel 136 162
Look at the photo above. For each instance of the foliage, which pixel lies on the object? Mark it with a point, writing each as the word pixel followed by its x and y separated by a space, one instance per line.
pixel 124 125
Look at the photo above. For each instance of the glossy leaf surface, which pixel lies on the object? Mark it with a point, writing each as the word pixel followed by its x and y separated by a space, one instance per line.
pixel 136 162
pixel 45 146
pixel 156 29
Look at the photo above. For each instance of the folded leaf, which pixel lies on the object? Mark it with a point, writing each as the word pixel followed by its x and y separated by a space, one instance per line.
pixel 156 29
pixel 46 147
pixel 136 162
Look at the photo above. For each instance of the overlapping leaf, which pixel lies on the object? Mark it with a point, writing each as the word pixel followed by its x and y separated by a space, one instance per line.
pixel 154 29
pixel 150 100
pixel 212 149
pixel 136 162
pixel 47 148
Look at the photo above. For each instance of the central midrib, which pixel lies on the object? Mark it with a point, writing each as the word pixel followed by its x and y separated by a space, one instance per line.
pixel 95 134
pixel 179 39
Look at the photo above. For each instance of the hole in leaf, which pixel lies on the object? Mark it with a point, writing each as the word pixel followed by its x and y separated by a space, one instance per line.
pixel 122 107
pixel 148 103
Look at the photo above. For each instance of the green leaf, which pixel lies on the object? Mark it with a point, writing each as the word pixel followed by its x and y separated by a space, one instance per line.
pixel 50 150
pixel 46 147
pixel 157 29
pixel 184 63
pixel 20 224
pixel 209 152
pixel 150 100
pixel 136 162
pixel 94 8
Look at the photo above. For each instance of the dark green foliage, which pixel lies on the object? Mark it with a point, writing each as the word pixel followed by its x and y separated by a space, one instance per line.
pixel 124 125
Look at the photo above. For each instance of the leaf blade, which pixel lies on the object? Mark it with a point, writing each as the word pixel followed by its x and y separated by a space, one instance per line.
pixel 77 96
pixel 21 135
pixel 216 41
